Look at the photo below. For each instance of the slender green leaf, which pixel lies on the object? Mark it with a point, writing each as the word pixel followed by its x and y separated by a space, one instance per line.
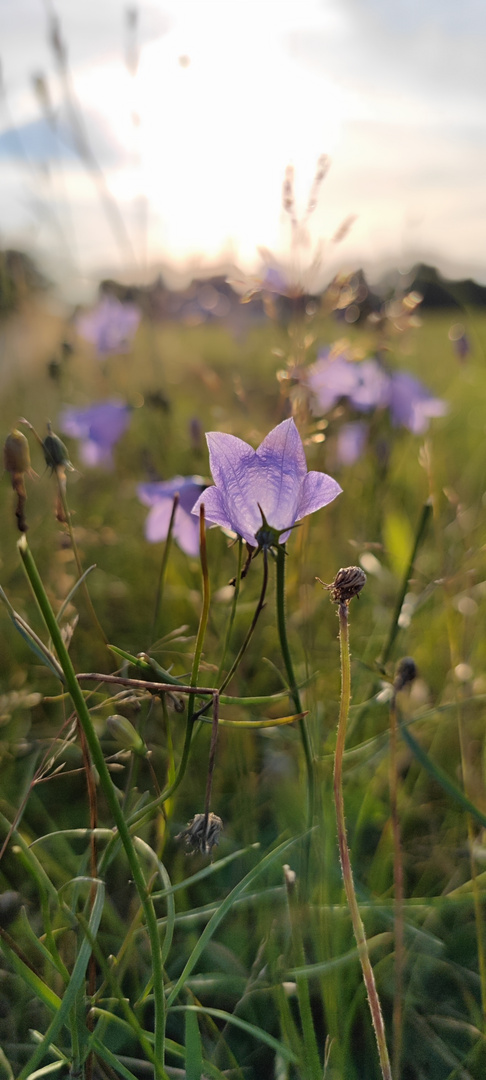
pixel 442 778
pixel 76 981
pixel 223 910
pixel 72 591
pixel 193 1045
pixel 251 1029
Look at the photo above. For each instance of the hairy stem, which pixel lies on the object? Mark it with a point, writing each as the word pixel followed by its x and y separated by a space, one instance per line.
pixel 358 928
pixel 398 894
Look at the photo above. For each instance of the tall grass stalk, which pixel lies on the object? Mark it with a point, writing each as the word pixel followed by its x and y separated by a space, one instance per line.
pixel 398 893
pixel 358 928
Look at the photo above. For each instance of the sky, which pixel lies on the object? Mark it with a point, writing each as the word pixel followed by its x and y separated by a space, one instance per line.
pixel 166 145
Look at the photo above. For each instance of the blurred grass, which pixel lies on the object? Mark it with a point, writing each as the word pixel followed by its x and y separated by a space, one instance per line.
pixel 173 374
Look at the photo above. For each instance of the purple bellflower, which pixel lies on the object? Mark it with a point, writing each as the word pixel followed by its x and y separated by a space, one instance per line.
pixel 99 427
pixel 366 386
pixel 363 383
pixel 266 487
pixel 330 379
pixel 159 496
pixel 110 326
pixel 411 404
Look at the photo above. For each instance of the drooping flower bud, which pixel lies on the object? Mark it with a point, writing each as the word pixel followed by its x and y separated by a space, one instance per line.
pixel 126 735
pixel 55 452
pixel 16 453
pixel 16 459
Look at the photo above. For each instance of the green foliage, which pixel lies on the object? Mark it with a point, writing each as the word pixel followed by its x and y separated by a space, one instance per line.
pixel 254 979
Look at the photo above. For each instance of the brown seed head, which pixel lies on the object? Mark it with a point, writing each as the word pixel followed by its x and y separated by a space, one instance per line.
pixel 202 834
pixel 348 582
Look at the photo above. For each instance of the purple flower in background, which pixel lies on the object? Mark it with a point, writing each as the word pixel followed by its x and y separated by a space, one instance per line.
pixel 272 480
pixel 99 427
pixel 372 386
pixel 411 404
pixel 364 383
pixel 159 496
pixel 330 378
pixel 110 326
pixel 351 441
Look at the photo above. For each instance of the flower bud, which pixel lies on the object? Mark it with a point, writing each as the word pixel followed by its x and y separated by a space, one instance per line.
pixel 348 582
pixel 126 735
pixel 55 452
pixel 16 453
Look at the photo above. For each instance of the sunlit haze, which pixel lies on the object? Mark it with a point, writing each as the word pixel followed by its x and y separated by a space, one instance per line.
pixel 194 114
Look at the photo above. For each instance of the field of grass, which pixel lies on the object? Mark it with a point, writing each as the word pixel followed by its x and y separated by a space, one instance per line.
pixel 133 958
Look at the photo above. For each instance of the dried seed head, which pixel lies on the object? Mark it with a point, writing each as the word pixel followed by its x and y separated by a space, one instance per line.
pixel 202 834
pixel 348 582
pixel 406 672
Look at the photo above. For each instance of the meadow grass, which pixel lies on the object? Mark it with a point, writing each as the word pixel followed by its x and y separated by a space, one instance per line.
pixel 261 975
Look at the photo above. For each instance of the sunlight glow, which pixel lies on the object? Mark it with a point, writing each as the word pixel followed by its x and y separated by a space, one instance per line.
pixel 219 111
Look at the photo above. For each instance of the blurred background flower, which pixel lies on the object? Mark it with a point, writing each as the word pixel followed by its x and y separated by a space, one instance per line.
pixel 159 496
pixel 366 385
pixel 411 404
pixel 110 326
pixel 98 427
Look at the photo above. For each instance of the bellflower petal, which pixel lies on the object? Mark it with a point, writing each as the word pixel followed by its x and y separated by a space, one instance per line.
pixel 159 496
pixel 272 480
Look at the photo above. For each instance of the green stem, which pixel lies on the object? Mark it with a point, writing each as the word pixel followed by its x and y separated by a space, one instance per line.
pixel 247 639
pixel 67 515
pixel 110 795
pixel 234 605
pixel 294 690
pixel 358 928
pixel 203 621
pixel 163 567
pixel 398 893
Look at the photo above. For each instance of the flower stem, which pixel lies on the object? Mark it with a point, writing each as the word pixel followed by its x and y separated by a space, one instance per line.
pixel 110 795
pixel 398 893
pixel 234 605
pixel 294 693
pixel 163 567
pixel 358 928
pixel 61 484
